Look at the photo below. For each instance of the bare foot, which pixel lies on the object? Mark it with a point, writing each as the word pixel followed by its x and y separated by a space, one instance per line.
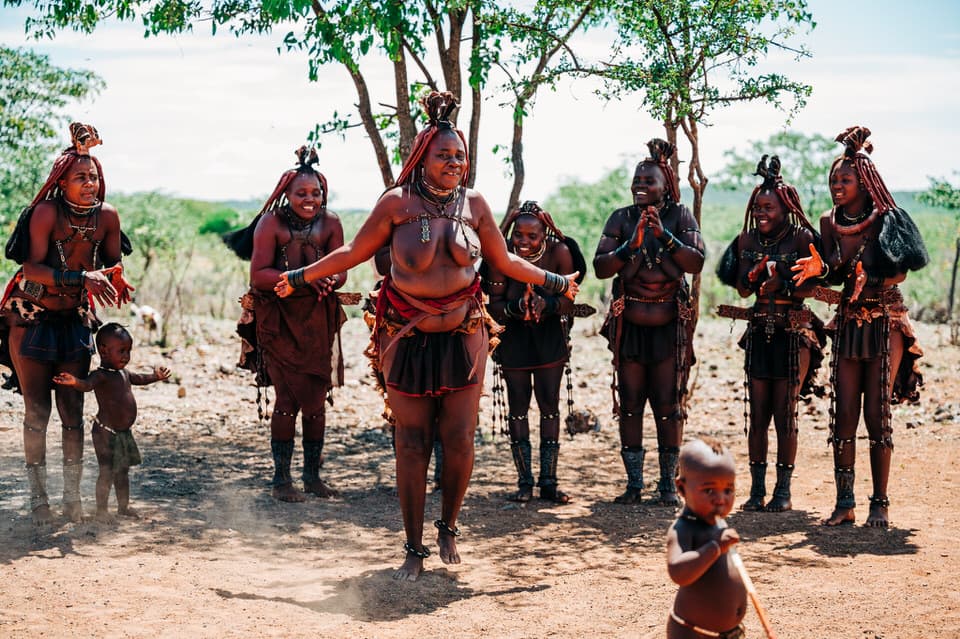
pixel 287 493
pixel 523 495
pixel 629 496
pixel 879 516
pixel 752 505
pixel 840 517
pixel 447 548
pixel 410 570
pixel 128 512
pixel 320 488
pixel 779 505
pixel 104 517
pixel 42 516
pixel 73 512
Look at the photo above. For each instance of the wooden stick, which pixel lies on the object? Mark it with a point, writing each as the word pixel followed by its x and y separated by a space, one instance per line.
pixel 752 593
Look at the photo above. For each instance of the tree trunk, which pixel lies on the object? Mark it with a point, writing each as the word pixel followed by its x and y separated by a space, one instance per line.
pixel 473 137
pixel 698 182
pixel 516 155
pixel 370 126
pixel 408 128
pixel 953 281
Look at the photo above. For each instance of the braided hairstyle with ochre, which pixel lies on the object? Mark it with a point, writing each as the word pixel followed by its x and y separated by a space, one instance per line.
pixel 660 153
pixel 306 158
pixel 854 155
pixel 773 183
pixel 82 138
pixel 438 107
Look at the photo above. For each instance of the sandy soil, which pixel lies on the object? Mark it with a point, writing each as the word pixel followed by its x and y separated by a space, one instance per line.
pixel 215 556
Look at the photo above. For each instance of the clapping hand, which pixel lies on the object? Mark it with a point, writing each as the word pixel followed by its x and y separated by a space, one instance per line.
pixel 859 280
pixel 807 267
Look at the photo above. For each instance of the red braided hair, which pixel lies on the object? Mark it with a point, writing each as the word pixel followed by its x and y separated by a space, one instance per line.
pixel 773 182
pixel 532 209
pixel 438 107
pixel 82 137
pixel 854 138
pixel 660 153
pixel 306 158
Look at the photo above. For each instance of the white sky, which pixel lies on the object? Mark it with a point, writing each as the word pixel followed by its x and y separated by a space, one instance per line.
pixel 219 117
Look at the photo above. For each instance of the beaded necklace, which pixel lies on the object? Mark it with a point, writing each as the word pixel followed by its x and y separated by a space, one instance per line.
pixel 438 199
pixel 536 256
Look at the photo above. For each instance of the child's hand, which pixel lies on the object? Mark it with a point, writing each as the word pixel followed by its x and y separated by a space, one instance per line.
pixel 65 379
pixel 162 373
pixel 727 538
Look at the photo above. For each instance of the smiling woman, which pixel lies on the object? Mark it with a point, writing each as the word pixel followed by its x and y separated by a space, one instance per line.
pixel 432 332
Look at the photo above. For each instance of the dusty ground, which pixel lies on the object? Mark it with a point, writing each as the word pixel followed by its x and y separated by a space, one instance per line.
pixel 215 556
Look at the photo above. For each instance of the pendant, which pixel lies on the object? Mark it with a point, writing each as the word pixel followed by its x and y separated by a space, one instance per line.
pixel 424 229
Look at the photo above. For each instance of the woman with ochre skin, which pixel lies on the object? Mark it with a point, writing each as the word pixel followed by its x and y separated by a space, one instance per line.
pixel 869 245
pixel 648 248
pixel 69 243
pixel 431 335
pixel 784 341
pixel 295 340
pixel 533 347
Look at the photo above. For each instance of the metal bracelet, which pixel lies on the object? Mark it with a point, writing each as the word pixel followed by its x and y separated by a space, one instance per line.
pixel 625 253
pixel 296 278
pixel 554 283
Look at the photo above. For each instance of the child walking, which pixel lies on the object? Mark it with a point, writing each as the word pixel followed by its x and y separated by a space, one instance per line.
pixel 712 599
pixel 114 444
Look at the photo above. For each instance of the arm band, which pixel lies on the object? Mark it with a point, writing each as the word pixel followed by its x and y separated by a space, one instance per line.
pixel 554 283
pixel 68 278
pixel 624 252
pixel 669 241
pixel 514 309
pixel 296 278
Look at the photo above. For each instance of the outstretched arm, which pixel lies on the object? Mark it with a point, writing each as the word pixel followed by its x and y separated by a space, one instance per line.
pixel 159 373
pixel 71 381
pixel 374 234
pixel 494 249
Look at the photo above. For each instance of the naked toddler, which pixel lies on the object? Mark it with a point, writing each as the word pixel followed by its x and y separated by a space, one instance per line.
pixel 112 439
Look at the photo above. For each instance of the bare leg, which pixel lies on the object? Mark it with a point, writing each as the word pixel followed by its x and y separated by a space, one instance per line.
pixel 547 389
pixel 283 426
pixel 632 379
pixel 457 423
pixel 666 409
pixel 121 482
pixel 848 391
pixel 70 408
pixel 881 441
pixel 761 411
pixel 519 390
pixel 101 446
pixel 35 384
pixel 414 442
pixel 314 429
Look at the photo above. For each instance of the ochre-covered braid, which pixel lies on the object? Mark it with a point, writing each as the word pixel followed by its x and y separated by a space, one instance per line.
pixel 532 209
pixel 855 140
pixel 438 107
pixel 773 182
pixel 660 153
pixel 83 137
pixel 306 158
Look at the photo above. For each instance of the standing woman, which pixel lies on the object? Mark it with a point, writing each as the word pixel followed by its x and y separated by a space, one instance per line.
pixel 869 245
pixel 69 243
pixel 648 248
pixel 430 339
pixel 784 341
pixel 294 343
pixel 534 348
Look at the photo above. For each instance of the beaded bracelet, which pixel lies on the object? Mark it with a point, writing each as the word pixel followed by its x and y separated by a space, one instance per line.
pixel 669 241
pixel 514 309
